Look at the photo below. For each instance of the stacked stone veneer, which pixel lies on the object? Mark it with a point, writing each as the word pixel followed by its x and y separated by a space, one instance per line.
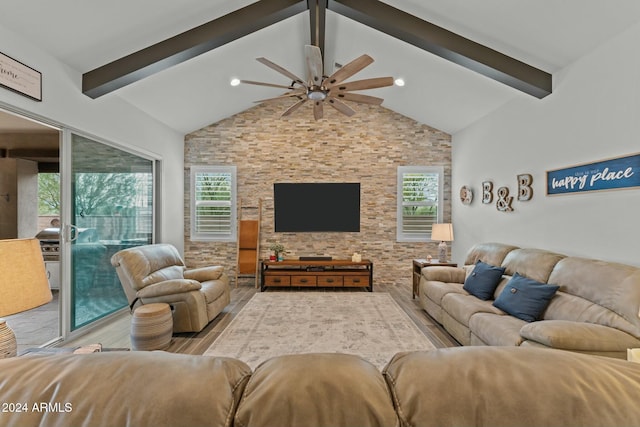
pixel 366 148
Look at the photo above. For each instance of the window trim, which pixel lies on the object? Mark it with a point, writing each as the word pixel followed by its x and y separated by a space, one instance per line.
pixel 402 170
pixel 196 236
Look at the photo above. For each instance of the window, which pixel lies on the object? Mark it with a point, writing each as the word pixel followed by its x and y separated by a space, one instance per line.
pixel 419 201
pixel 213 203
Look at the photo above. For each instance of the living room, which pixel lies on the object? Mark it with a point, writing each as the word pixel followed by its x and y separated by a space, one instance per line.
pixel 589 117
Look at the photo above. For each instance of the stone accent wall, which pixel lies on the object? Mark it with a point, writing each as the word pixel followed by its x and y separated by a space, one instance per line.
pixel 367 148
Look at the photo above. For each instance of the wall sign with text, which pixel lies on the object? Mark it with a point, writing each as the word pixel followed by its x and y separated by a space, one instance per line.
pixel 621 172
pixel 16 76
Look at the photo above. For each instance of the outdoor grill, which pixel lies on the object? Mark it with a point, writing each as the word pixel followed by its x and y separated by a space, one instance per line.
pixel 50 243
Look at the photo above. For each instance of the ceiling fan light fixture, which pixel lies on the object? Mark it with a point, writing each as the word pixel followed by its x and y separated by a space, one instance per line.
pixel 234 81
pixel 321 89
pixel 316 94
pixel 399 82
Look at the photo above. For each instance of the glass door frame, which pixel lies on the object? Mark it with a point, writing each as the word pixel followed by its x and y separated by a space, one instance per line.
pixel 66 215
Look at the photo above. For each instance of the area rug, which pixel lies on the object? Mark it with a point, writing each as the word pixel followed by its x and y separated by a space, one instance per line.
pixel 371 325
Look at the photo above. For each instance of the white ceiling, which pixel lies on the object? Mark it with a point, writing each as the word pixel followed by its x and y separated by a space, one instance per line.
pixel 547 34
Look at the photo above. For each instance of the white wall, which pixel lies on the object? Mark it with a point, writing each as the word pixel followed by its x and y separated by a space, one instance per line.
pixel 108 118
pixel 593 114
pixel 27 177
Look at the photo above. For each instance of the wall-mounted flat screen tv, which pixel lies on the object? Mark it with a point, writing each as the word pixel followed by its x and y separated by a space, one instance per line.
pixel 316 207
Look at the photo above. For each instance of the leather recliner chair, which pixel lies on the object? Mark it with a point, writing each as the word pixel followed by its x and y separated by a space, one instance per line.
pixel 156 273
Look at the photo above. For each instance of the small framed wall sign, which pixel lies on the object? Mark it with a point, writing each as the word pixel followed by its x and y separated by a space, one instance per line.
pixel 20 78
pixel 611 174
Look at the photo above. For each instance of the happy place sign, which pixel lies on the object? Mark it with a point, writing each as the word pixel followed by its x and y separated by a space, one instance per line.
pixel 621 172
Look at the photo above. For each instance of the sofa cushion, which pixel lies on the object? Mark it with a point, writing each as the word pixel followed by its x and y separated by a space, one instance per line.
pixel 497 329
pixel 444 274
pixel 535 264
pixel 612 290
pixel 507 386
pixel 202 274
pixel 461 307
pixel 578 336
pixel 483 280
pixel 525 298
pixel 169 287
pixel 435 291
pixel 123 388
pixel 491 253
pixel 314 390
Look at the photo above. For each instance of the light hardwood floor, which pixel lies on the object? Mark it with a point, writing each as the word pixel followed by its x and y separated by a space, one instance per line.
pixel 116 333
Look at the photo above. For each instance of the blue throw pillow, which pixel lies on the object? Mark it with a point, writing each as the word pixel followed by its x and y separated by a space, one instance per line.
pixel 483 280
pixel 525 298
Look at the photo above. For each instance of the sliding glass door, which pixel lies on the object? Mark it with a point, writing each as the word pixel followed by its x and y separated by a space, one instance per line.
pixel 111 208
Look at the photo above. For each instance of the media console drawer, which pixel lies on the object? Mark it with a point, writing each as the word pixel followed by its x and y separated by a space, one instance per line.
pixel 317 273
pixel 330 281
pixel 277 280
pixel 306 280
pixel 356 281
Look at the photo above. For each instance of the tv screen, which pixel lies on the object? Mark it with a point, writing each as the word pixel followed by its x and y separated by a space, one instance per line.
pixel 309 207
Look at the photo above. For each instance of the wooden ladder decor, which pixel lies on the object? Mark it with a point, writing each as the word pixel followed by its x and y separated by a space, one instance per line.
pixel 248 243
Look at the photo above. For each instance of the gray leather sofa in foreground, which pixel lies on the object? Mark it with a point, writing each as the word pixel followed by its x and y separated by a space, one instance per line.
pixel 462 386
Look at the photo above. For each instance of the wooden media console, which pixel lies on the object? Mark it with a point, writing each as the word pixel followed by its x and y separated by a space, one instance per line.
pixel 317 273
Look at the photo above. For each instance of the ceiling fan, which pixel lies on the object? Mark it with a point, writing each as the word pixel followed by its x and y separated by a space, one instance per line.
pixel 319 88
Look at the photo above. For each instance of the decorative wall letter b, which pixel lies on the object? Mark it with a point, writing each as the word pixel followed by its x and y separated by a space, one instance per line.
pixel 525 192
pixel 487 195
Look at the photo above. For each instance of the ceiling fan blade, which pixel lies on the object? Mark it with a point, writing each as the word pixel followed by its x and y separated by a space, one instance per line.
pixel 317 110
pixel 313 57
pixel 341 106
pixel 363 84
pixel 250 82
pixel 294 107
pixel 356 97
pixel 281 70
pixel 347 71
pixel 286 95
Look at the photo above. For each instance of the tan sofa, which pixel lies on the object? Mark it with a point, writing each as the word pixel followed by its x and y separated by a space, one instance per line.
pixel 156 273
pixel 463 386
pixel 594 311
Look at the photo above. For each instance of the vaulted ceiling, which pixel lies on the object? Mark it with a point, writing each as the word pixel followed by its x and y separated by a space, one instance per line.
pixel 448 84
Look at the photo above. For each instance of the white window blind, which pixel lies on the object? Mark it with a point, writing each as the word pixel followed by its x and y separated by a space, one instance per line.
pixel 419 201
pixel 213 203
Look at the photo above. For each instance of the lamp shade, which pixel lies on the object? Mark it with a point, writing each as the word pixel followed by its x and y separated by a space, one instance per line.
pixel 23 278
pixel 442 232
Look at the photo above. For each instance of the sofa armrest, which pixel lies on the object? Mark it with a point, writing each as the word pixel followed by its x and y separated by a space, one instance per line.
pixel 203 274
pixel 524 387
pixel 444 274
pixel 578 336
pixel 169 287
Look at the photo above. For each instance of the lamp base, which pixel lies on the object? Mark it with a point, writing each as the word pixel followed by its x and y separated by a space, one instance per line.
pixel 442 251
pixel 8 344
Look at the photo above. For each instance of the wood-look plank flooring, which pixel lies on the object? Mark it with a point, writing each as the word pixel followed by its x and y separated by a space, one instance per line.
pixel 116 333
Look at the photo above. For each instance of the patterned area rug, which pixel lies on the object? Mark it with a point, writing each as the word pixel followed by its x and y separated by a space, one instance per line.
pixel 370 325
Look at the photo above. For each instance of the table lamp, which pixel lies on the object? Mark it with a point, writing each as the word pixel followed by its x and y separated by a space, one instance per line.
pixel 444 233
pixel 23 285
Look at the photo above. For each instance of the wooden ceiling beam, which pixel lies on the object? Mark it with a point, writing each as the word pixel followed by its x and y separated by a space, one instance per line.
pixel 21 153
pixel 373 13
pixel 187 45
pixel 446 44
pixel 317 19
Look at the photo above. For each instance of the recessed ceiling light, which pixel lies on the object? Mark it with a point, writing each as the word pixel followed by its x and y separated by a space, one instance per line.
pixel 235 82
pixel 399 82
